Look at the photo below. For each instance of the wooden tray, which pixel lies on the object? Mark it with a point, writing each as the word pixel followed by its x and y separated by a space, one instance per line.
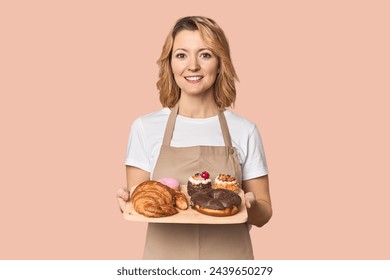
pixel 189 216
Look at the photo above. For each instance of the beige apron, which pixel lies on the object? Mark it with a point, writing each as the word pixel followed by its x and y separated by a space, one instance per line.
pixel 197 241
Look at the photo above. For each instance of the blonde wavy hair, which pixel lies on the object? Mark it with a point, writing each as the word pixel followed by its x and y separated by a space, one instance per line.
pixel 215 39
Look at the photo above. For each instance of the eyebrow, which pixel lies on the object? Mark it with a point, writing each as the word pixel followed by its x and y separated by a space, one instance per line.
pixel 200 50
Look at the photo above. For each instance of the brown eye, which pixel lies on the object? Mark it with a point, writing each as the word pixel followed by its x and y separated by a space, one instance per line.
pixel 180 55
pixel 205 55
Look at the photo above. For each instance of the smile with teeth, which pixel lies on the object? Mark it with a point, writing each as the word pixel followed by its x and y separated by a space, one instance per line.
pixel 193 78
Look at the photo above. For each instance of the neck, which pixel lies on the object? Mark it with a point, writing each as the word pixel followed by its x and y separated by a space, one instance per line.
pixel 197 107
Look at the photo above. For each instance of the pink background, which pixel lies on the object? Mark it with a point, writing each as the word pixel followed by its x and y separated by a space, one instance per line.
pixel 313 76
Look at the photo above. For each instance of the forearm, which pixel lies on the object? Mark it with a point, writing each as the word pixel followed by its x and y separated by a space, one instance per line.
pixel 135 176
pixel 260 210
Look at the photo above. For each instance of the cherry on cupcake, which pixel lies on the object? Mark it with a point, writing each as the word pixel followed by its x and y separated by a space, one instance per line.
pixel 205 175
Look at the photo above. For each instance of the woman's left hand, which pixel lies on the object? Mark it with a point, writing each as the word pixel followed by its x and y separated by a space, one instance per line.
pixel 250 199
pixel 257 200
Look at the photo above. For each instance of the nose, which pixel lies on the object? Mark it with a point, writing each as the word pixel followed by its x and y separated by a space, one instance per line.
pixel 193 64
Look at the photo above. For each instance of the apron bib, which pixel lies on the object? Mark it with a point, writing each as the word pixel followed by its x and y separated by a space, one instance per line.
pixel 197 241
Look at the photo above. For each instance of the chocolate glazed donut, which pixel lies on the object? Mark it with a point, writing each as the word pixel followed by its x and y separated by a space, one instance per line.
pixel 216 202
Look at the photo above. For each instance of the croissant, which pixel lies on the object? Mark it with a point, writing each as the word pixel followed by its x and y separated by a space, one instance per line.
pixel 153 199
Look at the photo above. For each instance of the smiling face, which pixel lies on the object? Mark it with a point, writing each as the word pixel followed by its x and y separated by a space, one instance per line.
pixel 194 66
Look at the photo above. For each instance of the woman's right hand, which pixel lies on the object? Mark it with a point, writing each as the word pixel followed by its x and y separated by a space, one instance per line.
pixel 134 177
pixel 123 196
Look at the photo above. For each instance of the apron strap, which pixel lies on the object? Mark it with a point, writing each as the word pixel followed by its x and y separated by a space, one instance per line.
pixel 171 126
pixel 225 129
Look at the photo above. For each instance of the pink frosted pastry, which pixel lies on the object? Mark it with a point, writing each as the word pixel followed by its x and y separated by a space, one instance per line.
pixel 170 182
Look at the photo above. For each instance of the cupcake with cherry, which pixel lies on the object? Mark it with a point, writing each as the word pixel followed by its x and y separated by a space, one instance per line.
pixel 199 181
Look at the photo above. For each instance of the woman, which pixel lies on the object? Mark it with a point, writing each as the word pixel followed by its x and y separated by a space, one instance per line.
pixel 195 132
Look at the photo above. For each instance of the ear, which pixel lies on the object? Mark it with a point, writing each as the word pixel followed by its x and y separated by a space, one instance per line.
pixel 219 66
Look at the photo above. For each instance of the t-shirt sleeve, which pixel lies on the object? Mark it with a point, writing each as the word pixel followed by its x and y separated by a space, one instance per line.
pixel 255 164
pixel 136 154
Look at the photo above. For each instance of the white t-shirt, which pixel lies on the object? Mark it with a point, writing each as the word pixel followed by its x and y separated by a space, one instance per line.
pixel 147 133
